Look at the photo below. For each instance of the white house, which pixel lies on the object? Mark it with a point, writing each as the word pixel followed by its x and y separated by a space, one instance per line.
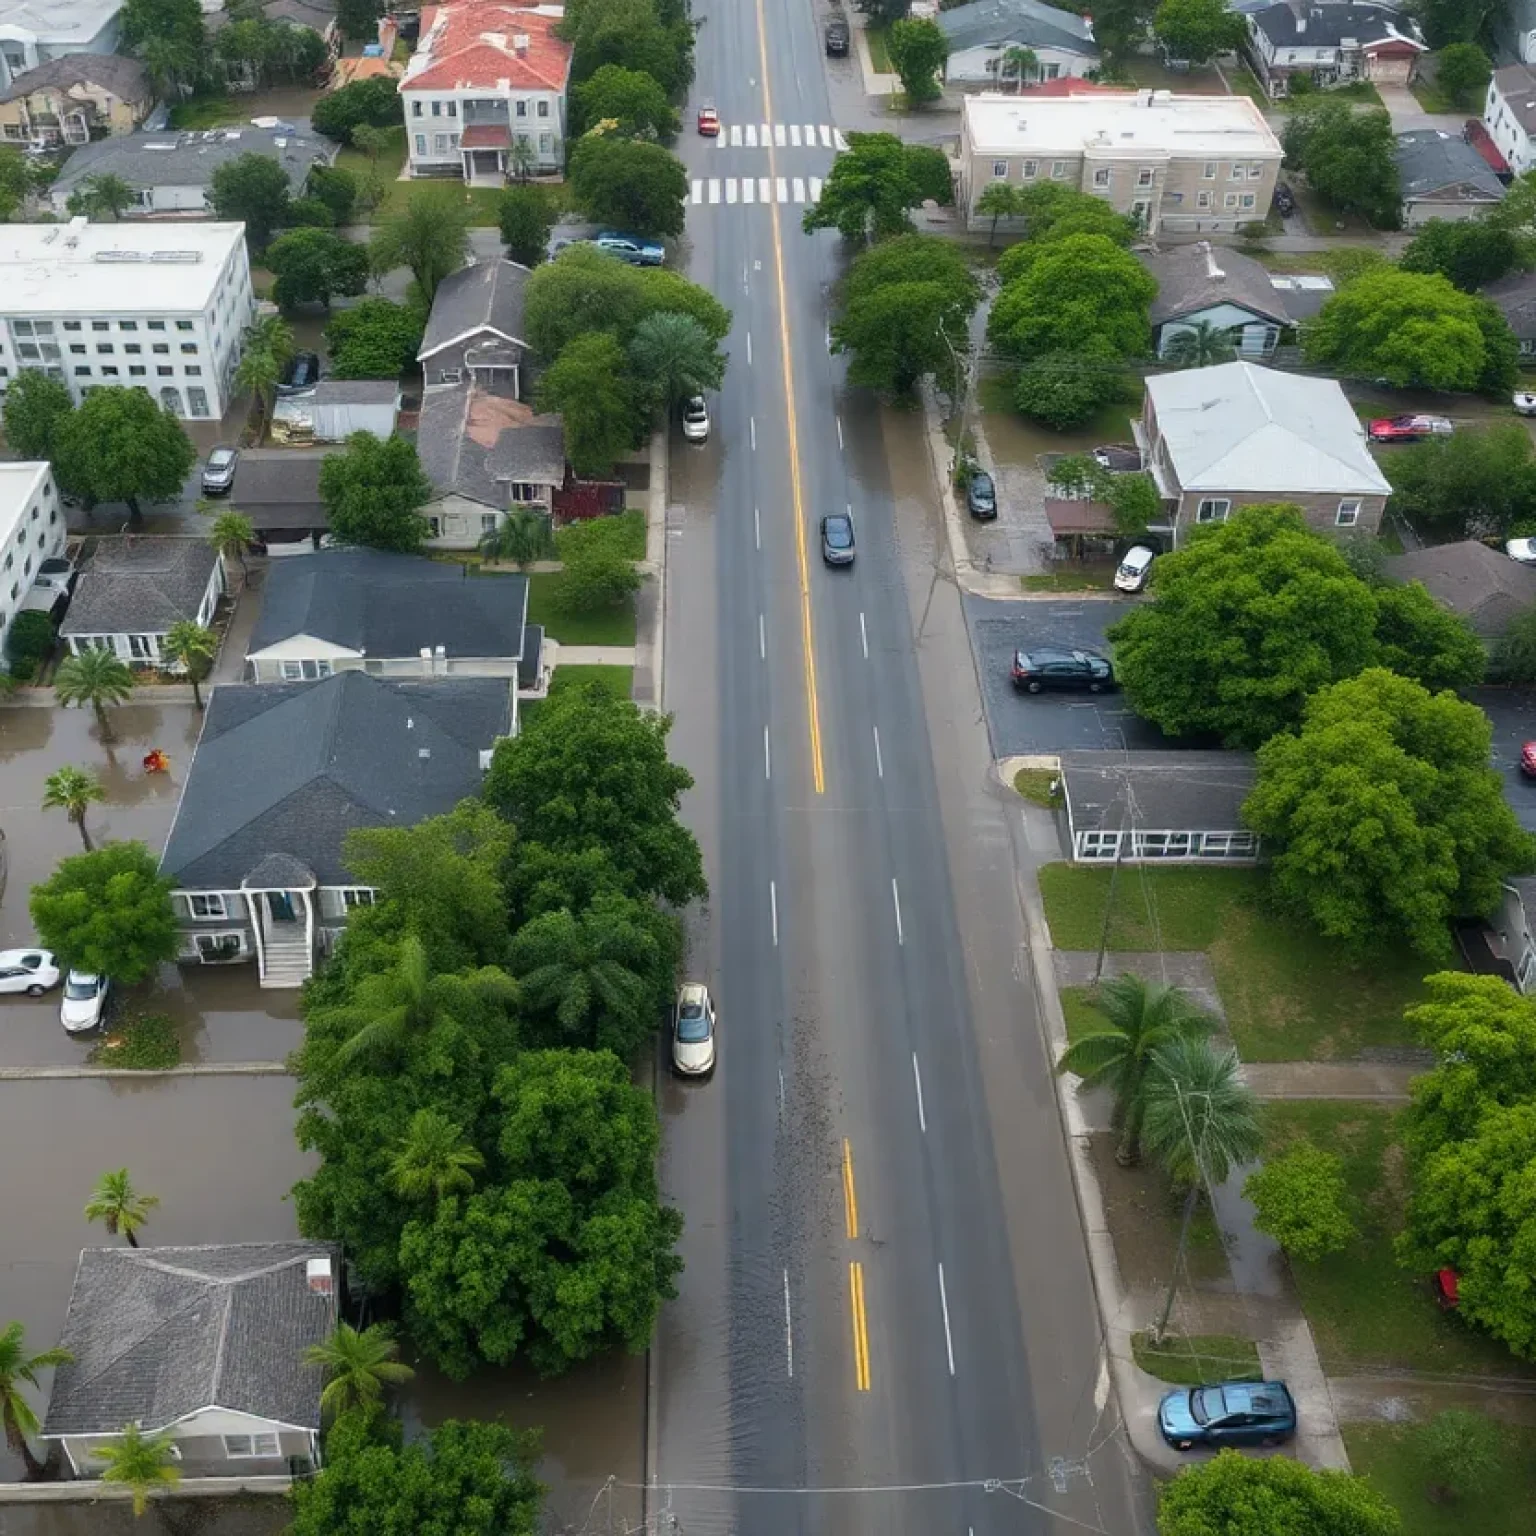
pixel 31 531
pixel 33 31
pixel 982 34
pixel 134 588
pixel 1509 115
pixel 485 92
pixel 1331 43
pixel 161 307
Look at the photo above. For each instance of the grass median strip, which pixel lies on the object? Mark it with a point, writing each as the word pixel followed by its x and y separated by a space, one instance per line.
pixel 1197 1359
pixel 1035 784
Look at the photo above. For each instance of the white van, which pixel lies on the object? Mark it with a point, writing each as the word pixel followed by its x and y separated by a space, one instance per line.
pixel 1132 575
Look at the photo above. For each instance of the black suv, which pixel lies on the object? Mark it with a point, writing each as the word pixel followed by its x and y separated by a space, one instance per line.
pixel 837 38
pixel 981 496
pixel 301 374
pixel 1047 667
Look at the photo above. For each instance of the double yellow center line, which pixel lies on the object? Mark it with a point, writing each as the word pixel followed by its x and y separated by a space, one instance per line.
pixel 855 1274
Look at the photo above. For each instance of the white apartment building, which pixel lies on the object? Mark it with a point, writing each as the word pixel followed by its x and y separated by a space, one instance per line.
pixel 1178 163
pixel 158 306
pixel 31 531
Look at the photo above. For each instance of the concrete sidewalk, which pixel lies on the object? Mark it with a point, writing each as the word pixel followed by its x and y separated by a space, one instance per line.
pixel 596 655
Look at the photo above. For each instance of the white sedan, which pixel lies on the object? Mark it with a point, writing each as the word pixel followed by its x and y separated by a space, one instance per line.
pixel 33 971
pixel 85 1001
pixel 1524 403
pixel 1523 550
pixel 695 419
pixel 693 1031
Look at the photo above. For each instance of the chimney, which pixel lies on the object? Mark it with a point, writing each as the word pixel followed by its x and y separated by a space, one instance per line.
pixel 520 42
pixel 1212 271
pixel 440 660
pixel 317 1275
pixel 426 660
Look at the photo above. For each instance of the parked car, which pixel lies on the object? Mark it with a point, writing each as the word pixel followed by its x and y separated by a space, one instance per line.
pixel 54 575
pixel 33 971
pixel 85 1001
pixel 1528 760
pixel 219 471
pixel 1524 402
pixel 1120 458
pixel 1234 1413
pixel 631 248
pixel 695 419
pixel 301 374
pixel 837 539
pixel 1285 200
pixel 1409 429
pixel 1135 565
pixel 693 1031
pixel 1046 666
pixel 709 121
pixel 837 38
pixel 981 496
pixel 1523 550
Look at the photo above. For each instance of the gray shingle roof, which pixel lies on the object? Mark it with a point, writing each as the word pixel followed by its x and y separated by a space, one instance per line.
pixel 1483 585
pixel 473 443
pixel 1195 277
pixel 1428 161
pixel 139 585
pixel 353 392
pixel 1026 22
pixel 280 487
pixel 1515 298
pixel 485 294
pixel 388 605
pixel 1328 25
pixel 1157 791
pixel 171 159
pixel 292 767
pixel 124 77
pixel 157 1333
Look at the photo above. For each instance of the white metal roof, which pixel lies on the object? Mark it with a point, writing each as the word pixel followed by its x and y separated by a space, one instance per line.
pixel 98 269
pixel 63 21
pixel 1239 427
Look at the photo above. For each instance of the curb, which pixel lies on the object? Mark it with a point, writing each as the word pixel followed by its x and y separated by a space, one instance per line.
pixel 194 1069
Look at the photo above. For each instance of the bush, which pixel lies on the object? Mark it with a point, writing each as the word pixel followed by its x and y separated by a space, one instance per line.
pixel 595 578
pixel 29 644
pixel 622 534
pixel 375 101
pixel 1299 1201
pixel 143 1042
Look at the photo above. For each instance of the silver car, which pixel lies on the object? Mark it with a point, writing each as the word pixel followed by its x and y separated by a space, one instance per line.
pixel 219 471
pixel 85 1001
pixel 693 1031
pixel 695 419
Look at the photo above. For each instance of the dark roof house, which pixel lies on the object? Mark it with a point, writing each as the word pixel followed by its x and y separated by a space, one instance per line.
pixel 115 72
pixel 133 588
pixel 477 445
pixel 1443 177
pixel 1515 298
pixel 1483 585
pixel 279 489
pixel 992 26
pixel 1198 283
pixel 475 329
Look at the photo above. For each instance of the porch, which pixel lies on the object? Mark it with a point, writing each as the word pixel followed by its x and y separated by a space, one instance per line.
pixel 280 892
pixel 484 149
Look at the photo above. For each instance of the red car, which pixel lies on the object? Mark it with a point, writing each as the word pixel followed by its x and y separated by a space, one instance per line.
pixel 709 121
pixel 1409 429
pixel 1528 760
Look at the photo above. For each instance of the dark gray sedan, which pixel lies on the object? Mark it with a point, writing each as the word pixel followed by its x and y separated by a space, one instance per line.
pixel 837 539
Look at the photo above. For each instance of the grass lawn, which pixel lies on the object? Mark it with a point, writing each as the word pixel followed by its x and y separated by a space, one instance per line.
pixel 1079 580
pixel 1193 1360
pixel 1365 1311
pixel 879 54
pixel 1035 784
pixel 1389 1456
pixel 1081 1013
pixel 1110 424
pixel 484 202
pixel 215 111
pixel 612 626
pixel 617 680
pixel 1289 995
pixel 1428 94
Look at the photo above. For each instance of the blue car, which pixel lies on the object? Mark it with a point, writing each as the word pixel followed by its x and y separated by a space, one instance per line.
pixel 1234 1413
pixel 631 248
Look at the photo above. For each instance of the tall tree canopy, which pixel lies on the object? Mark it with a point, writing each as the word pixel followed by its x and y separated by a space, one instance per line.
pixel 35 408
pixel 655 38
pixel 107 912
pixel 119 445
pixel 635 102
pixel 628 182
pixel 1348 158
pixel 873 184
pixel 373 339
pixel 373 491
pixel 313 266
pixel 1470 252
pixel 1059 294
pixel 1478 483
pixel 1197 30
pixel 590 388
pixel 1237 1495
pixel 252 190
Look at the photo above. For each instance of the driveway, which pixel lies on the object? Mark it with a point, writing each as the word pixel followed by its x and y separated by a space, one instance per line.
pixel 1406 113
pixel 1513 714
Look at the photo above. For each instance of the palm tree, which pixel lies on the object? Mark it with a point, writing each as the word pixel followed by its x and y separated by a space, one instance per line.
pixel 1142 1016
pixel 675 357
pixel 430 235
pixel 192 647
pixel 107 194
pixel 118 1206
pixel 1201 1118
pixel 360 1366
pixel 265 349
pixel 1199 345
pixel 521 537
pixel 145 1464
pixel 232 534
pixel 1018 61
pixel 18 1369
pixel 95 677
pixel 71 790
pixel 433 1159
pixel 1000 200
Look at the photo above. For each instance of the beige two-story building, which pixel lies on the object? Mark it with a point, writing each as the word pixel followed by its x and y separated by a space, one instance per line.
pixel 1179 163
pixel 75 98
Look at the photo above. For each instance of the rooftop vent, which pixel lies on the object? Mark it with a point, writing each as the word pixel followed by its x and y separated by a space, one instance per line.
pixel 521 42
pixel 317 1275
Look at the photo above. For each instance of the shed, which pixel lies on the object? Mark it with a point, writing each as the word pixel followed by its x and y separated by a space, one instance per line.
pixel 336 408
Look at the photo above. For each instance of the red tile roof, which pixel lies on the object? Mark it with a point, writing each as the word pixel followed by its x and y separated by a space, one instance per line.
pixel 470 44
pixel 486 136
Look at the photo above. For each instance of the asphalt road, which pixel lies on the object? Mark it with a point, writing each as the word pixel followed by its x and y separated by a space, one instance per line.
pixel 886 1321
pixel 1512 712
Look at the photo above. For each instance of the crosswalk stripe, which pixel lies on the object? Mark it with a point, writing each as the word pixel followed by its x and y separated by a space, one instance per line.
pixel 751 135
pixel 735 134
pixel 826 137
pixel 778 135
pixel 810 135
pixel 722 140
pixel 794 135
pixel 815 189
pixel 763 194
pixel 730 190
pixel 781 191
pixel 714 189
pixel 748 189
pixel 799 189
pixel 838 141
pixel 698 191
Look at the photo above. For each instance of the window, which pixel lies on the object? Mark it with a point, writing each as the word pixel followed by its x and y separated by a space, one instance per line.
pixel 307 671
pixel 525 491
pixel 546 145
pixel 1255 172
pixel 142 648
pixel 164 372
pixel 1239 172
pixel 206 905
pixel 449 375
pixel 160 348
pixel 1058 169
pixel 215 947
pixel 437 109
pixel 197 399
pixel 434 527
pixel 1202 200
pixel 110 372
pixel 543 109
pixel 488 521
pixel 1101 176
pixel 1162 845
pixel 1348 514
pixel 237 1446
pixel 999 170
pixel 1247 200
pixel 193 371
pixel 71 325
pixel 1144 176
pixel 440 143
pixel 77 348
pixel 1031 169
pixel 1230 200
pixel 137 371
pixel 170 398
pixel 1209 173
pixel 132 346
pixel 520 109
pixel 189 349
pixel 1228 845
pixel 453 109
pixel 104 346
pixel 83 373
pixel 415 109
pixel 154 325
pixel 421 138
pixel 127 325
pixel 1212 510
pixel 100 325
pixel 1098 845
pixel 356 896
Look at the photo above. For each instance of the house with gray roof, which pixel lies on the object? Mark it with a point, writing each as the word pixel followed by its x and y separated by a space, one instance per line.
pixel 388 615
pixel 133 588
pixel 1515 298
pixel 205 1345
pixel 1443 177
pixel 279 490
pixel 1331 42
pixel 281 774
pixel 474 333
pixel 1488 589
pixel 1200 284
pixel 981 34
pixel 171 172
pixel 68 99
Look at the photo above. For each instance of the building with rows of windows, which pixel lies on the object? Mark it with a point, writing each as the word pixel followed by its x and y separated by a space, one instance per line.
pixel 154 305
pixel 31 531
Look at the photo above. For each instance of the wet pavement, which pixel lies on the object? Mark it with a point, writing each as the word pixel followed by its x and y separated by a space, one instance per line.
pixel 1512 712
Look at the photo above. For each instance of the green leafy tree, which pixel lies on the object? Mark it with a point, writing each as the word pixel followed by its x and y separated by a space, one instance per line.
pixel 589 386
pixel 1000 200
pixel 107 912
pixel 102 196
pixel 872 185
pixel 313 266
pixel 192 647
pixel 373 103
pixel 118 1206
pixel 145 1464
pixel 1197 30
pixel 1018 64
pixel 629 98
pixel 1460 21
pixel 96 678
pixel 1478 483
pixel 637 34
pixel 1201 1120
pixel 266 346
pixel 1237 1495
pixel 595 579
pixel 1200 345
pixel 373 339
pixel 1063 295
pixel 141 20
pixel 674 357
pixel 1514 655
pixel 521 539
pixel 14 182
pixel 1064 389
pixel 336 188
pixel 430 236
pixel 29 643
pixel 36 407
pixel 1462 71
pixel 1141 1017
pixel 1299 1199
pixel 1469 252
pixel 1052 210
pixel 358 1364
pixel 73 791
pixel 252 189
pixel 630 183
pixel 232 534
pixel 1416 637
pixel 1252 617
pixel 119 445
pixel 1462 1451
pixel 1348 158
pixel 433 1159
pixel 918 49
pixel 1383 816
pixel 373 491
pixel 590 773
pixel 526 216
pixel 19 1368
